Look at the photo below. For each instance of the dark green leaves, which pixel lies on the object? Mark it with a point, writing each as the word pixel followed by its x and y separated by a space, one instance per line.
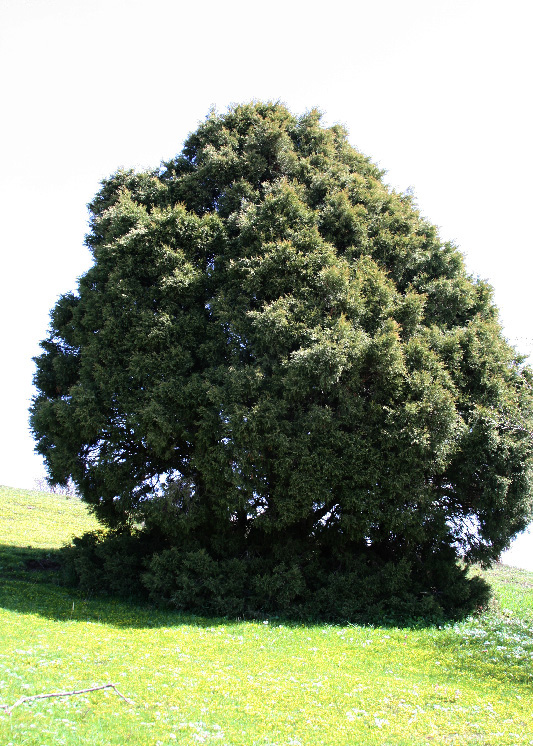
pixel 274 358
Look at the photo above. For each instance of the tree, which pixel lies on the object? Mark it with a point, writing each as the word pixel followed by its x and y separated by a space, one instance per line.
pixel 277 367
pixel 69 489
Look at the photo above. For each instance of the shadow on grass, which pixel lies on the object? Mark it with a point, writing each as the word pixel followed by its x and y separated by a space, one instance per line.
pixel 30 583
pixel 29 563
pixel 477 660
pixel 26 590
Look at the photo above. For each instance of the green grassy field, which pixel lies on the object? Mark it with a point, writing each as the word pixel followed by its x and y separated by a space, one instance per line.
pixel 192 680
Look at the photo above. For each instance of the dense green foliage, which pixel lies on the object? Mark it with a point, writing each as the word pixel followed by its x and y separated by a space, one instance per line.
pixel 277 368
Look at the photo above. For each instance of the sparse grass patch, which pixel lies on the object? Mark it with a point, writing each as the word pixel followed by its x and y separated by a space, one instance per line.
pixel 263 683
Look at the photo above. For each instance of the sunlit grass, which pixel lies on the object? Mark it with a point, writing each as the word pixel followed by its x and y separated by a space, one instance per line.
pixel 514 591
pixel 196 680
pixel 41 520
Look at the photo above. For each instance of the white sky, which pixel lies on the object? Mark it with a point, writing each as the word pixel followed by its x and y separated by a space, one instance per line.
pixel 436 91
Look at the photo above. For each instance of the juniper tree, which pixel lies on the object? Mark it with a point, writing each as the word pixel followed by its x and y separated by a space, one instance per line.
pixel 277 366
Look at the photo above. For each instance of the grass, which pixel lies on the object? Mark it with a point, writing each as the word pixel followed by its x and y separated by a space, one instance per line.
pixel 195 680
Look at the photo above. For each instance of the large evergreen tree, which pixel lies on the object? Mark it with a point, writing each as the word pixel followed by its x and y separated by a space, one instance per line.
pixel 280 371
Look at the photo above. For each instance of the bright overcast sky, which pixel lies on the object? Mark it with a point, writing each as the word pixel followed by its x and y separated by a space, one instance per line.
pixel 437 92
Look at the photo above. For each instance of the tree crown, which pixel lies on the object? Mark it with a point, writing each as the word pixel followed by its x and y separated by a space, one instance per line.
pixel 274 350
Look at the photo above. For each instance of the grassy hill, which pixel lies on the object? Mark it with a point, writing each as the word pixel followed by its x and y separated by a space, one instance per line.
pixel 191 680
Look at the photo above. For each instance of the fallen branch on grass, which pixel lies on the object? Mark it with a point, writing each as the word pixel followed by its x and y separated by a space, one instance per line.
pixel 9 708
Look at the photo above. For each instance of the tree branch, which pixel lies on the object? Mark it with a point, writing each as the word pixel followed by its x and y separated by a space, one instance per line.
pixel 10 708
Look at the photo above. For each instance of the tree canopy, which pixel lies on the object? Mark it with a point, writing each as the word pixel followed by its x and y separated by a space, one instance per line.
pixel 279 370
